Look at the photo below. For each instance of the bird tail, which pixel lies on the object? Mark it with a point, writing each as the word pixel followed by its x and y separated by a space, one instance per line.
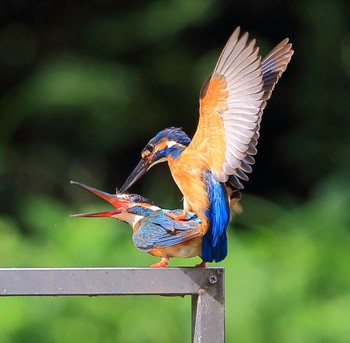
pixel 234 202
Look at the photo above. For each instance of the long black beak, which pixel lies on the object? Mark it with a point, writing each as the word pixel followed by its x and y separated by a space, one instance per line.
pixel 118 204
pixel 139 170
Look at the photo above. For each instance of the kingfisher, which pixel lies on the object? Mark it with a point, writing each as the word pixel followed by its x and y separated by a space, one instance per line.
pixel 209 169
pixel 154 229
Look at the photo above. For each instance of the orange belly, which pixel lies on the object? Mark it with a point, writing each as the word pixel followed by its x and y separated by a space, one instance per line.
pixel 190 248
pixel 187 174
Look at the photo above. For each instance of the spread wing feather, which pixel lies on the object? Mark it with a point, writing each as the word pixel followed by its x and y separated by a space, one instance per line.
pixel 229 107
pixel 273 66
pixel 159 231
pixel 232 101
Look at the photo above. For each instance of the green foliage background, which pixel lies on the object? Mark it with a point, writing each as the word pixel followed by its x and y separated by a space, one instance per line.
pixel 83 88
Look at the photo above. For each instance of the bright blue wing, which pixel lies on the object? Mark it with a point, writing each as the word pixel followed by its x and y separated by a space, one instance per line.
pixel 159 231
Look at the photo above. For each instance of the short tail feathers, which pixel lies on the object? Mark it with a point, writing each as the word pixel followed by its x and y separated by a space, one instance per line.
pixel 234 196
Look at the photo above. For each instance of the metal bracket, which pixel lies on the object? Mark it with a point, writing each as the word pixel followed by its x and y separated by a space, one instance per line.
pixel 205 285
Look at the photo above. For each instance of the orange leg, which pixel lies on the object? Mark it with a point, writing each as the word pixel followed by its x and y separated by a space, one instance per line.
pixel 203 264
pixel 174 216
pixel 161 264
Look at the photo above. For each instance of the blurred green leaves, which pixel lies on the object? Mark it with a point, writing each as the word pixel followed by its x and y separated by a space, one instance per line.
pixel 147 24
pixel 322 101
pixel 290 283
pixel 72 83
pixel 80 82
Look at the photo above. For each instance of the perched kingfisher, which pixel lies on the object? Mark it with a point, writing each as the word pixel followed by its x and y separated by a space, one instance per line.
pixel 209 168
pixel 154 231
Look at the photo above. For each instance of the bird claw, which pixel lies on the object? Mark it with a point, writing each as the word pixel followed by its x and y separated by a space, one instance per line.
pixel 203 264
pixel 161 264
pixel 181 216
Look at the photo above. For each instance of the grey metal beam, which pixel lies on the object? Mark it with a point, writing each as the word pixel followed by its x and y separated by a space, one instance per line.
pixel 106 281
pixel 205 285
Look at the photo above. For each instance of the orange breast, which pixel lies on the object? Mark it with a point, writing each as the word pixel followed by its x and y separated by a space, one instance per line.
pixel 190 248
pixel 187 173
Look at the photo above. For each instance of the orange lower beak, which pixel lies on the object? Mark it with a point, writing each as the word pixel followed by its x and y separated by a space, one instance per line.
pixel 118 203
pixel 97 214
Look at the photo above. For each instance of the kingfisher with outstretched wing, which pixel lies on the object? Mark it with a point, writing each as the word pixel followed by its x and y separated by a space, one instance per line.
pixel 208 170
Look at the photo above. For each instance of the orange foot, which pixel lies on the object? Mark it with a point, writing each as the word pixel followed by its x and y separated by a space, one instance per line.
pixel 203 264
pixel 181 216
pixel 161 264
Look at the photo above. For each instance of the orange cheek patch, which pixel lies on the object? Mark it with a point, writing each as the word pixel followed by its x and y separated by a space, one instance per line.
pixel 161 145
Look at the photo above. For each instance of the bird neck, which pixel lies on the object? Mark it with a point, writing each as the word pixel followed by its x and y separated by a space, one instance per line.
pixel 175 152
pixel 135 214
pixel 130 218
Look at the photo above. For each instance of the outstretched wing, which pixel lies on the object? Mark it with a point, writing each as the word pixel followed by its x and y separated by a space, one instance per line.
pixel 231 105
pixel 230 102
pixel 159 231
pixel 273 66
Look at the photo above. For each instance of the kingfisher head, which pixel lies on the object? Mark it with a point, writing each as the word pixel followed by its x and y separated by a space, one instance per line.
pixel 128 208
pixel 168 142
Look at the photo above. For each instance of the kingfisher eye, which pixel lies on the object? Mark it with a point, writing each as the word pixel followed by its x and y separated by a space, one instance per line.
pixel 147 151
pixel 150 147
pixel 135 198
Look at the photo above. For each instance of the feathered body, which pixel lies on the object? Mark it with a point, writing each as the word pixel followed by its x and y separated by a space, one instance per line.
pixel 206 197
pixel 154 230
pixel 221 152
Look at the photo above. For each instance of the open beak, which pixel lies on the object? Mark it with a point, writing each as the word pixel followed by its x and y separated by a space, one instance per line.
pixel 139 170
pixel 118 203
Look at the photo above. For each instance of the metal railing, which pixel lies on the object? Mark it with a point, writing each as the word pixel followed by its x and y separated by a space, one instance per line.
pixel 204 285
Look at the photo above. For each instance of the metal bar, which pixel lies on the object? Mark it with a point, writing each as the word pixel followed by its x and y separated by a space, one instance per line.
pixel 208 313
pixel 106 281
pixel 205 285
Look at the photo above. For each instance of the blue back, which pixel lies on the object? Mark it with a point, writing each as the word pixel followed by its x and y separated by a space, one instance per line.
pixel 158 231
pixel 214 243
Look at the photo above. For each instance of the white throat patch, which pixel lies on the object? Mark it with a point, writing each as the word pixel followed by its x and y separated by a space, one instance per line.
pixel 169 144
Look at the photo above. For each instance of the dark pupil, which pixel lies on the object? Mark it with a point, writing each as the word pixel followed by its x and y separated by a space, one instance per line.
pixel 147 151
pixel 150 148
